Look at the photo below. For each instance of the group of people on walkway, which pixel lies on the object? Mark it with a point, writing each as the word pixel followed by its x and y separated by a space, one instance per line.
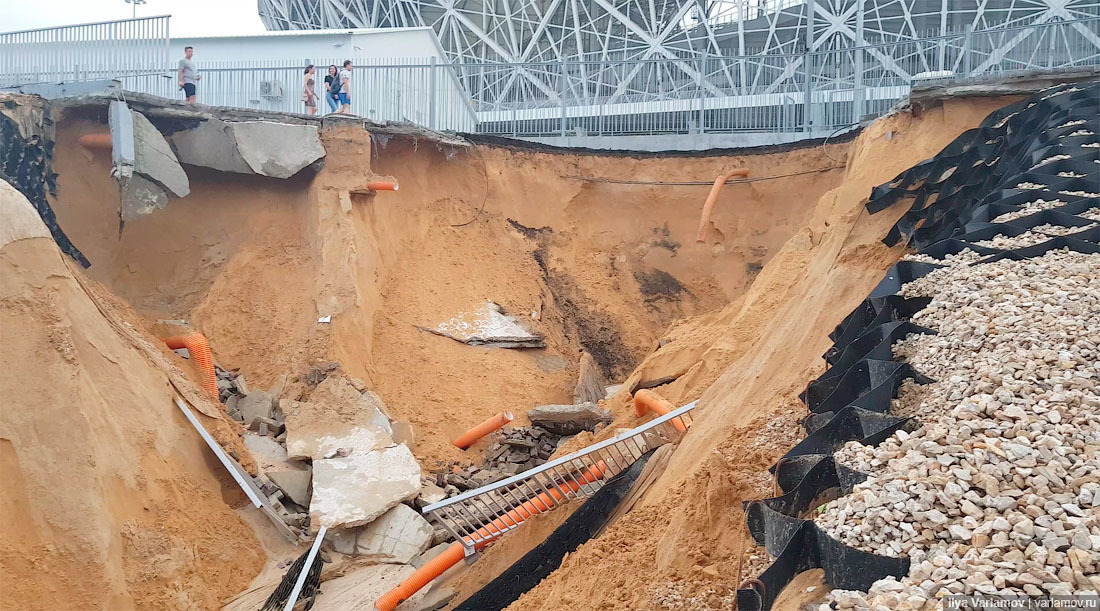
pixel 337 91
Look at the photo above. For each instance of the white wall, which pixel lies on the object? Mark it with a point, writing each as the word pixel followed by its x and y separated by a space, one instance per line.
pixel 275 46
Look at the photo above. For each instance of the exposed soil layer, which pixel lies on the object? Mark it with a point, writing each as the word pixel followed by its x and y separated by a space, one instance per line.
pixel 254 262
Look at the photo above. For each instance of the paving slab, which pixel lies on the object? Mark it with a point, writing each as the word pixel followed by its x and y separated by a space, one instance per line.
pixel 210 145
pixel 294 484
pixel 358 590
pixel 279 150
pixel 488 325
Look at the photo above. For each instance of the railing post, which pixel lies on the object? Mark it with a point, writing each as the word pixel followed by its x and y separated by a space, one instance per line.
pixel 702 93
pixel 561 96
pixel 966 51
pixel 431 93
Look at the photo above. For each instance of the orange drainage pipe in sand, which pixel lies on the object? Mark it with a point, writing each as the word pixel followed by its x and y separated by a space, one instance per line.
pixel 199 349
pixel 383 185
pixel 647 400
pixel 471 436
pixel 712 198
pixel 95 141
pixel 456 551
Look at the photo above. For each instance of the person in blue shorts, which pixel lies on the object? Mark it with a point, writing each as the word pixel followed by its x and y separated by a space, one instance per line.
pixel 345 88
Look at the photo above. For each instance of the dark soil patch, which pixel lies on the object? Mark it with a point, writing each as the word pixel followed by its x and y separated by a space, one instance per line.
pixel 659 285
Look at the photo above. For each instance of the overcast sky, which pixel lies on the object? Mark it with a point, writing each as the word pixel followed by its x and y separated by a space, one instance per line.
pixel 189 17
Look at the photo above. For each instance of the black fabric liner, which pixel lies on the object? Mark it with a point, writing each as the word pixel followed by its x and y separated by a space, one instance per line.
pixel 538 563
pixel 26 164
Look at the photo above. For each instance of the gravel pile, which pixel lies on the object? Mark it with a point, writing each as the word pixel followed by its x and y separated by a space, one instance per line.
pixel 1093 214
pixel 1003 242
pixel 999 491
pixel 1030 208
pixel 963 257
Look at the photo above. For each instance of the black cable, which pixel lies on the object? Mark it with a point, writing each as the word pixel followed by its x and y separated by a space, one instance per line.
pixel 693 183
pixel 485 173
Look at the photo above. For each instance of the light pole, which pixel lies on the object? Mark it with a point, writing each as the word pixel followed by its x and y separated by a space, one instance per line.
pixel 135 3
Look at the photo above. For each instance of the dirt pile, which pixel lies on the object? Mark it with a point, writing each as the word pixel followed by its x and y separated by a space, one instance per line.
pixel 111 498
pixel 746 364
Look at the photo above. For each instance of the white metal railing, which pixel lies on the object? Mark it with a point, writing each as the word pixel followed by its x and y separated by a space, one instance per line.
pixel 477 516
pixel 85 52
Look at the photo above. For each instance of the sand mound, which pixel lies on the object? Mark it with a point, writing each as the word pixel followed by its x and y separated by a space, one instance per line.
pixel 110 498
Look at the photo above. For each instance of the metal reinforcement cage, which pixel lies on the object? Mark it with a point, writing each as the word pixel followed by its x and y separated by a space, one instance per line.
pixel 478 516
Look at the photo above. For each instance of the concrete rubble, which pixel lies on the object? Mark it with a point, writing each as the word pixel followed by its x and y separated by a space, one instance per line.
pixel 398 536
pixel 569 419
pixel 488 326
pixel 354 490
pixel 590 387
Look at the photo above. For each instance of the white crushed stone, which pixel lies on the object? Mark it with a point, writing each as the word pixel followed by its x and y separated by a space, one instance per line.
pixel 1080 193
pixel 1052 159
pixel 1092 214
pixel 998 492
pixel 963 257
pixel 1029 185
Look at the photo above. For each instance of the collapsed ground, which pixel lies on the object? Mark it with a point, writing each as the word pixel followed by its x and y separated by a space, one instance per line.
pixel 254 262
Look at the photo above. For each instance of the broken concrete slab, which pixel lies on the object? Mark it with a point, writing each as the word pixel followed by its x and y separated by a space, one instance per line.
pixel 398 535
pixel 269 454
pixel 140 197
pixel 154 159
pixel 358 590
pixel 357 489
pixel 210 145
pixel 279 150
pixel 488 326
pixel 334 440
pixel 256 404
pixel 430 553
pixel 294 484
pixel 430 494
pixel 612 390
pixel 590 387
pixel 343 540
pixel 568 419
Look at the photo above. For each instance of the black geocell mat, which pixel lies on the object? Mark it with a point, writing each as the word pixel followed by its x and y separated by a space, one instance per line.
pixel 538 563
pixel 984 173
pixel 25 163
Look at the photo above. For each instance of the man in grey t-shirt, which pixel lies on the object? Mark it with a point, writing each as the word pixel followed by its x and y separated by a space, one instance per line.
pixel 188 78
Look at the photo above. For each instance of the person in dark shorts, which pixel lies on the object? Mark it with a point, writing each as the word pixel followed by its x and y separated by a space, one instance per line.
pixel 345 88
pixel 332 88
pixel 188 77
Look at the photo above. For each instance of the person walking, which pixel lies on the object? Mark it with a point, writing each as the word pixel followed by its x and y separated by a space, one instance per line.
pixel 188 77
pixel 309 96
pixel 332 88
pixel 345 88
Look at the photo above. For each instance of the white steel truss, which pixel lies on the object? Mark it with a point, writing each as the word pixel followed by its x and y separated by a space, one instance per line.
pixel 527 53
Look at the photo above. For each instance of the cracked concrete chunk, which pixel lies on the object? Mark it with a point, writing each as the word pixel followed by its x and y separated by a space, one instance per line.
pixel 339 439
pixel 294 484
pixel 279 150
pixel 568 419
pixel 210 145
pixel 399 535
pixel 154 159
pixel 589 388
pixel 256 404
pixel 356 489
pixel 141 197
pixel 488 326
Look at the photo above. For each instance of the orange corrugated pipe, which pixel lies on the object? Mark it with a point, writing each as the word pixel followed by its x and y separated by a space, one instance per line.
pixel 95 141
pixel 382 185
pixel 455 552
pixel 649 400
pixel 471 436
pixel 708 207
pixel 199 349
